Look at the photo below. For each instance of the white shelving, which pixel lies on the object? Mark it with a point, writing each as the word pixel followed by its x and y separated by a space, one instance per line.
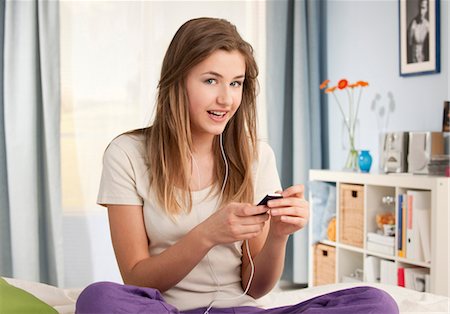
pixel 349 257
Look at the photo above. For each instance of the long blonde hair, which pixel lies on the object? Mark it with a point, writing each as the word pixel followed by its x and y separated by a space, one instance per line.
pixel 168 140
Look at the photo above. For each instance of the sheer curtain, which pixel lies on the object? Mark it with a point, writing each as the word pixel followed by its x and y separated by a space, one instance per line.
pixel 112 53
pixel 111 56
pixel 30 212
pixel 294 67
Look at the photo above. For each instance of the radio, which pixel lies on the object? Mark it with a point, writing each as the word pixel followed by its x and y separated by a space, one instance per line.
pixel 394 151
pixel 424 147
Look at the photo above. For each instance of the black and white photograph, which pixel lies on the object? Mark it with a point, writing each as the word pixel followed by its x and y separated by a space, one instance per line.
pixel 446 118
pixel 419 37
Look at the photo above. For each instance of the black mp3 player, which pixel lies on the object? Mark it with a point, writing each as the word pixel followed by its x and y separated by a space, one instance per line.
pixel 269 197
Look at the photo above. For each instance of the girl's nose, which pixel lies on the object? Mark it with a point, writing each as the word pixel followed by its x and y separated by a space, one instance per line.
pixel 225 98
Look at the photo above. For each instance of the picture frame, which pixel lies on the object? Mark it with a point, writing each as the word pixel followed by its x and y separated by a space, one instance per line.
pixel 419 30
pixel 446 117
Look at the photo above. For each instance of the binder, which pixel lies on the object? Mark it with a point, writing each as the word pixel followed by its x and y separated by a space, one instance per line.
pixel 413 249
pixel 404 216
pixel 401 277
pixel 418 247
pixel 388 272
pixel 399 225
pixel 372 269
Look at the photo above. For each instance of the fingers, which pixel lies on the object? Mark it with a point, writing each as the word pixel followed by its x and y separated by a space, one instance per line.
pixel 301 212
pixel 243 221
pixel 295 216
pixel 294 191
pixel 297 221
pixel 246 210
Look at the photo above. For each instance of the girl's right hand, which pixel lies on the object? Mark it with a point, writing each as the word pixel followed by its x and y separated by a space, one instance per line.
pixel 234 222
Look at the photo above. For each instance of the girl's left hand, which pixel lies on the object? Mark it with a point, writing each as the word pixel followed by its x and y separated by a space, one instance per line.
pixel 290 213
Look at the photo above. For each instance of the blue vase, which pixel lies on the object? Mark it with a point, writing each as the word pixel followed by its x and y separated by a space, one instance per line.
pixel 365 161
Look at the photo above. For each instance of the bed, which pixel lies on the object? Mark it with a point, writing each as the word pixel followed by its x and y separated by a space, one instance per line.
pixel 409 301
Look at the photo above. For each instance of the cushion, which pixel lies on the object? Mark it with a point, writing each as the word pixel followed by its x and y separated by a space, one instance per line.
pixel 15 300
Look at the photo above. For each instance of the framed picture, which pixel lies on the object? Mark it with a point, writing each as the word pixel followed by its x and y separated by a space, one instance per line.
pixel 446 120
pixel 419 37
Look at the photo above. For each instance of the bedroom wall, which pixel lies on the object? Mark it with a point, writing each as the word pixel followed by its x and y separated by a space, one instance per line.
pixel 362 44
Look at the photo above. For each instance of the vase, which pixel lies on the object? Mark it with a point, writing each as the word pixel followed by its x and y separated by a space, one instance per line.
pixel 365 161
pixel 352 160
pixel 349 143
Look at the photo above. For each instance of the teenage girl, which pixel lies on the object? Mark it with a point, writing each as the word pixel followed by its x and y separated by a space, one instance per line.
pixel 181 194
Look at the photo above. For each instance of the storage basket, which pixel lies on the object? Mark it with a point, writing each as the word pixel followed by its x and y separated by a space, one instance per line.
pixel 324 264
pixel 351 214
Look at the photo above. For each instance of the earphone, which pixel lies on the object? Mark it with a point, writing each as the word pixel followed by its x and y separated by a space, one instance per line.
pixel 213 274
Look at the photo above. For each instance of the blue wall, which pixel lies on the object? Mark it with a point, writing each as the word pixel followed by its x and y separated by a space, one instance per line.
pixel 363 44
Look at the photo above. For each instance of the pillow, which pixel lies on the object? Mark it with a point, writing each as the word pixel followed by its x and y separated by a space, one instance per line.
pixel 15 300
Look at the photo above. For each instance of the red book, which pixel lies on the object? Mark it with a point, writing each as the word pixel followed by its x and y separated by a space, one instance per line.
pixel 401 277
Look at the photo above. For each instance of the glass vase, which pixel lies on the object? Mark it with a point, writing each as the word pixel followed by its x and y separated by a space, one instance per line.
pixel 349 143
pixel 352 160
pixel 365 161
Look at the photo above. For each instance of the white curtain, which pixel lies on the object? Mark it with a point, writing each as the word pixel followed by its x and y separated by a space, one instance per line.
pixel 31 237
pixel 111 56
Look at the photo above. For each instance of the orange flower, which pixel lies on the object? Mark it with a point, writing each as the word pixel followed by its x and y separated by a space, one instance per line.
pixel 362 83
pixel 353 85
pixel 342 84
pixel 330 90
pixel 324 84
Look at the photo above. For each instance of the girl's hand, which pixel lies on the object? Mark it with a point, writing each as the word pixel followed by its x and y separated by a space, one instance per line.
pixel 290 213
pixel 234 222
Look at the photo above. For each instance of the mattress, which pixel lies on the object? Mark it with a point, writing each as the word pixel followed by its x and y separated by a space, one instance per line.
pixel 409 301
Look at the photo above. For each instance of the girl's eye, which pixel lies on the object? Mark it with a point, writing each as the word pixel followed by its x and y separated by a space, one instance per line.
pixel 236 84
pixel 210 81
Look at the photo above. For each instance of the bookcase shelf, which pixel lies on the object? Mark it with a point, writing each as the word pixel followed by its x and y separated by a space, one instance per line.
pixel 351 257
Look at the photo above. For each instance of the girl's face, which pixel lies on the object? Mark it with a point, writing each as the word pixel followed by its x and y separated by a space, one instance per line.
pixel 214 89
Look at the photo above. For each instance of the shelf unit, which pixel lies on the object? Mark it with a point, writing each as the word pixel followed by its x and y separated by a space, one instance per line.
pixel 349 257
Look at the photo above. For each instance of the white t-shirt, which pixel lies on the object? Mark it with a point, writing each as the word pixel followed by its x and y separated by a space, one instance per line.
pixel 125 181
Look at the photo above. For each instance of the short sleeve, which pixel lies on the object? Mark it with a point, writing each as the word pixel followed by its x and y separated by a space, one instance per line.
pixel 266 178
pixel 118 180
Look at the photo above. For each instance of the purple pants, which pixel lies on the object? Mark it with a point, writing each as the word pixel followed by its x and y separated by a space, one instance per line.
pixel 108 298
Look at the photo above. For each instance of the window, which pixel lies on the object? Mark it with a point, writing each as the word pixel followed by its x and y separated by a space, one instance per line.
pixel 111 53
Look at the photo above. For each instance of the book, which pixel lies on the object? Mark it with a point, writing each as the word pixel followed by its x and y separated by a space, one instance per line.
pixel 417 278
pixel 404 210
pixel 401 277
pixel 399 224
pixel 412 230
pixel 380 248
pixel 372 269
pixel 380 238
pixel 388 272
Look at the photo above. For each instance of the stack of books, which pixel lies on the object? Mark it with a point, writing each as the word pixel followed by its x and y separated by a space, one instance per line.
pixel 379 243
pixel 415 278
pixel 439 165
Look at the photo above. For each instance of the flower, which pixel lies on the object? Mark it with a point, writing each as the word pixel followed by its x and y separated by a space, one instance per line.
pixel 324 84
pixel 342 84
pixel 350 119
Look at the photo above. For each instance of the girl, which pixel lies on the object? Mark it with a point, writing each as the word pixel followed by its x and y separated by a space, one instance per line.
pixel 180 193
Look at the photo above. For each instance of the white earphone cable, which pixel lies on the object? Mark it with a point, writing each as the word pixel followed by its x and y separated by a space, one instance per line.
pixel 246 243
pixel 216 280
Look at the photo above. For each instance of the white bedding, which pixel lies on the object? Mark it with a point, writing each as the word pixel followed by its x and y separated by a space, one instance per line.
pixel 409 301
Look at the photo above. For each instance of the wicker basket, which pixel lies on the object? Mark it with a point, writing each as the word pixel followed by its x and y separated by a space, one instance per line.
pixel 324 264
pixel 351 215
